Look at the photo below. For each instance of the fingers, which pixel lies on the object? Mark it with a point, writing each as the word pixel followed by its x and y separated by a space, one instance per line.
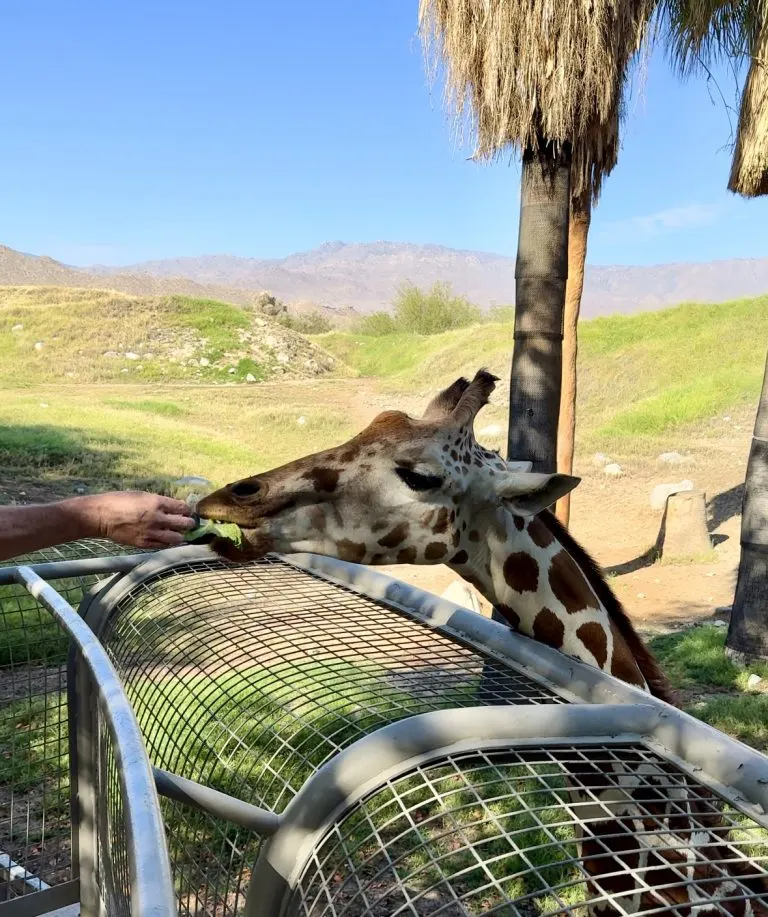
pixel 173 507
pixel 178 523
pixel 163 538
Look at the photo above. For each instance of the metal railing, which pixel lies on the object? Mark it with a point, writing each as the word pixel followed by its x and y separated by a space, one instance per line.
pixel 326 741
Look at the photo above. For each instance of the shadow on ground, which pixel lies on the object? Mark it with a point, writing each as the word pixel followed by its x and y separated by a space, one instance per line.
pixel 42 462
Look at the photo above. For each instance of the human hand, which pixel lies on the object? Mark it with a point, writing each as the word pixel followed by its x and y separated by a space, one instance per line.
pixel 141 520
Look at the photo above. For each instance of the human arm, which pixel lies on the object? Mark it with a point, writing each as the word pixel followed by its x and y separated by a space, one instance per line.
pixel 132 518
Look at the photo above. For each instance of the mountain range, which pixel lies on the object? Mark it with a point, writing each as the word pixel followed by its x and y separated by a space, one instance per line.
pixel 363 277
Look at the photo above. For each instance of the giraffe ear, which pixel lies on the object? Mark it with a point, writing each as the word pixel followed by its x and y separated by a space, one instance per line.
pixel 444 403
pixel 527 493
pixel 474 398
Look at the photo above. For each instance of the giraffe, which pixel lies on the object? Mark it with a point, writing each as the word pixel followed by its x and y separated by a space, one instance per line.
pixel 423 491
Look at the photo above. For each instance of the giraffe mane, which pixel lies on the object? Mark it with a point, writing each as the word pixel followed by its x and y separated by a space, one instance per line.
pixel 656 680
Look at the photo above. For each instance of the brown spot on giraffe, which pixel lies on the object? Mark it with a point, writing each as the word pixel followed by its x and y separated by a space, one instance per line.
pixel 352 551
pixel 406 555
pixel 548 628
pixel 474 535
pixel 570 585
pixel 317 518
pixel 623 664
pixel 456 538
pixel 459 558
pixel 539 534
pixel 325 480
pixel 441 523
pixel 519 523
pixel 521 572
pixel 594 638
pixel 510 615
pixel 435 550
pixel 395 537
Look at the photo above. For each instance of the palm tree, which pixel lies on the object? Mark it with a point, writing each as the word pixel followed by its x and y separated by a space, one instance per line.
pixel 543 79
pixel 699 32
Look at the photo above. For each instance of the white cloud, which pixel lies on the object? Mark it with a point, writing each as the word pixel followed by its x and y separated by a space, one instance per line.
pixel 689 216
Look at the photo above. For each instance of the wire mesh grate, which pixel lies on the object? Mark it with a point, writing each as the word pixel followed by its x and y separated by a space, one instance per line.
pixel 35 835
pixel 248 679
pixel 504 833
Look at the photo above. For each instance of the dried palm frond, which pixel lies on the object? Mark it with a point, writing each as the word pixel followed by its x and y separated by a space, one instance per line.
pixel 540 71
pixel 749 169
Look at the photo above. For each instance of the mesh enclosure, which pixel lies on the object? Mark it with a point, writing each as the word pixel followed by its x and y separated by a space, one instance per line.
pixel 34 752
pixel 501 832
pixel 248 679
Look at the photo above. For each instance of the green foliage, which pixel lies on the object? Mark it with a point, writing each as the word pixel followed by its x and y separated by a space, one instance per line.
pixel 377 324
pixel 422 312
pixel 433 311
pixel 306 323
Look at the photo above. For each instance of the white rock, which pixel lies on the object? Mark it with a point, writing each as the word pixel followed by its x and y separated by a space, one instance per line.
pixel 641 595
pixel 671 458
pixel 493 429
pixel 753 681
pixel 43 404
pixel 726 418
pixel 250 378
pixel 283 358
pixel 39 346
pixel 720 623
pixel 17 328
pixel 110 353
pixel 131 356
pixel 600 459
pixel 613 470
pixel 661 492
pixel 231 370
pixel 301 421
pixel 461 593
pixel 204 361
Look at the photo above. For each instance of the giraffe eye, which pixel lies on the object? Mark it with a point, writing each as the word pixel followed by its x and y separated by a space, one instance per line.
pixel 418 482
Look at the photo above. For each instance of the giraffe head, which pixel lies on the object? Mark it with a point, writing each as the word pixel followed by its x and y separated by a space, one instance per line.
pixel 401 491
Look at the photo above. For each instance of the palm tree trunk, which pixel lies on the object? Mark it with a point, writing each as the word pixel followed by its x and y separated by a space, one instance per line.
pixel 748 631
pixel 578 230
pixel 540 275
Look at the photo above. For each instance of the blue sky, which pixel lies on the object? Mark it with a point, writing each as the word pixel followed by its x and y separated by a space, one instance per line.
pixel 153 129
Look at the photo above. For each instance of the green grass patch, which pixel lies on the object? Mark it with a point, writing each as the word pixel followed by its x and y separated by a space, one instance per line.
pixel 695 658
pixel 218 322
pixel 33 742
pixel 745 718
pixel 146 406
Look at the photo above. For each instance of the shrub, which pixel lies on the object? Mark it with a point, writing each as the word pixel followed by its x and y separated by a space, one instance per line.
pixel 377 324
pixel 433 311
pixel 306 323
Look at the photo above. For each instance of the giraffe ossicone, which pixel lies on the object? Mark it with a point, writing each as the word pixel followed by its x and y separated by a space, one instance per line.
pixel 422 490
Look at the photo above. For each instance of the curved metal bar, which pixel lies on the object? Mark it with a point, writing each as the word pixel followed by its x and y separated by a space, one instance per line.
pixel 152 892
pixel 216 803
pixel 396 749
pixel 724 764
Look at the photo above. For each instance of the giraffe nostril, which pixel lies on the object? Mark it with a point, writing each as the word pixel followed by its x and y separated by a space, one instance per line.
pixel 245 489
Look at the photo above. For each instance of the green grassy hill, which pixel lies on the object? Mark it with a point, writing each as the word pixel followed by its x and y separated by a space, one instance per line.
pixel 57 334
pixel 639 376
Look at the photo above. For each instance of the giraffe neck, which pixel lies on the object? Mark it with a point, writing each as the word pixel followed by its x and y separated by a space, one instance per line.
pixel 523 569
